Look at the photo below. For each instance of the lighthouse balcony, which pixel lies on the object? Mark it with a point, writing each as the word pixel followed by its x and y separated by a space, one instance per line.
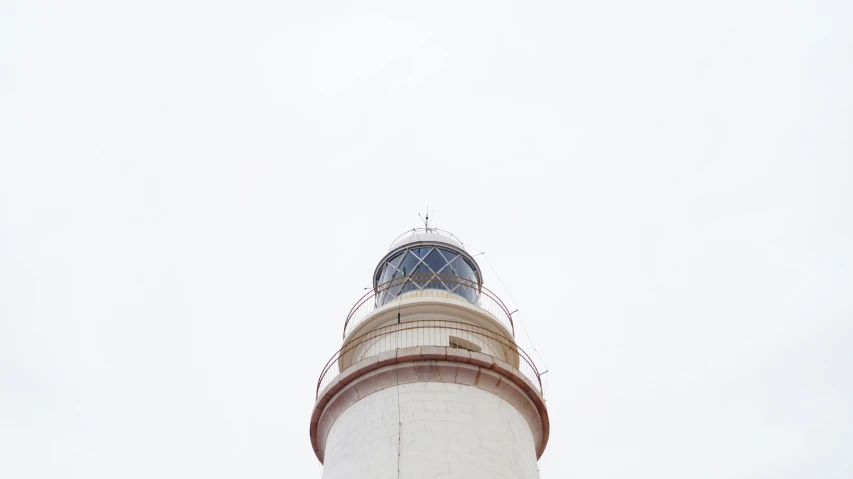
pixel 430 288
pixel 452 316
pixel 424 350
pixel 432 340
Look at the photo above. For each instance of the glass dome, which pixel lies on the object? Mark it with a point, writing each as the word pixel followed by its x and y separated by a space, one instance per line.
pixel 419 266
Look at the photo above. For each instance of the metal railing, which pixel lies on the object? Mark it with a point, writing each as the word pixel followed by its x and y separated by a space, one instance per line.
pixel 429 333
pixel 429 285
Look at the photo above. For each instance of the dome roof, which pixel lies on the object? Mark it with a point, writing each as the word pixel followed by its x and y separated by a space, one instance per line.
pixel 427 236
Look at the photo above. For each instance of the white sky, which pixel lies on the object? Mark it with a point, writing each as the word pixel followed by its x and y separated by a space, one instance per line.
pixel 193 194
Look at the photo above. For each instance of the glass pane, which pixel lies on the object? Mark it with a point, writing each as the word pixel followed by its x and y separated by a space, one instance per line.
pixel 383 298
pixel 448 255
pixel 435 261
pixel 466 270
pixel 420 252
pixel 395 261
pixel 472 271
pixel 459 267
pixel 390 291
pixel 422 275
pixel 387 274
pixel 390 272
pixel 401 287
pixel 408 263
pixel 394 290
pixel 471 294
pixel 396 274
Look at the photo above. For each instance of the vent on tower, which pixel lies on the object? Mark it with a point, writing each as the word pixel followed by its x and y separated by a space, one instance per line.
pixel 460 343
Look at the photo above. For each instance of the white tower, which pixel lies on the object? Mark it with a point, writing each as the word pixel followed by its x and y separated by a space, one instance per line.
pixel 429 382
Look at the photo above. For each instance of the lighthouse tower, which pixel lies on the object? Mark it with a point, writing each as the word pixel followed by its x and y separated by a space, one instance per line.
pixel 429 382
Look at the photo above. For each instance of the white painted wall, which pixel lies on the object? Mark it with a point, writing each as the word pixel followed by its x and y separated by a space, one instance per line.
pixel 449 431
pixel 438 336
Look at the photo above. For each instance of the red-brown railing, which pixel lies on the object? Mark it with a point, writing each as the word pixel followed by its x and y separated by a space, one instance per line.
pixel 420 285
pixel 429 333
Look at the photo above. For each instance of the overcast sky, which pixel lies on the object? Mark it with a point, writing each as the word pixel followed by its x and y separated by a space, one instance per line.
pixel 194 193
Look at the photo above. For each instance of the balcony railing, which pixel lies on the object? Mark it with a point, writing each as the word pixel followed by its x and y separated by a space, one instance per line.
pixel 429 285
pixel 430 333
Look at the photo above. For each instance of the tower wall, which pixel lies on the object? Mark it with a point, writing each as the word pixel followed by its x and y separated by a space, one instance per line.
pixel 429 381
pixel 440 430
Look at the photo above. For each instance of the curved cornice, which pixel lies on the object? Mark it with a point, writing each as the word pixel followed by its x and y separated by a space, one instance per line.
pixel 428 364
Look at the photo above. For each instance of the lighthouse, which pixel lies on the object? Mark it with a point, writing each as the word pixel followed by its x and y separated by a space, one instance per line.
pixel 429 382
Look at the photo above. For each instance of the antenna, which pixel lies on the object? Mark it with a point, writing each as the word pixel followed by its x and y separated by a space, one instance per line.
pixel 425 220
